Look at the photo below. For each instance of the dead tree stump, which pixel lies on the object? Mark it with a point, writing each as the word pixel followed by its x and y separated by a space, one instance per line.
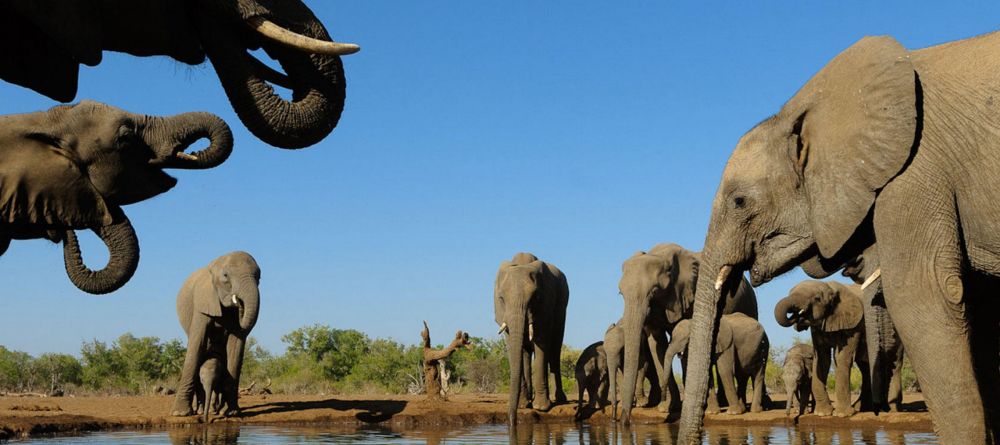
pixel 435 357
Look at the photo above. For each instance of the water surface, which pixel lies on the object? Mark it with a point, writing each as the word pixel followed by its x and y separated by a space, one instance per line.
pixel 226 434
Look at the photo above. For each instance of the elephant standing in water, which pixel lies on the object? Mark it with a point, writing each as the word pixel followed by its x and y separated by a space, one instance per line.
pixel 885 350
pixel 45 41
pixel 658 288
pixel 217 306
pixel 529 301
pixel 740 356
pixel 832 312
pixel 886 147
pixel 74 166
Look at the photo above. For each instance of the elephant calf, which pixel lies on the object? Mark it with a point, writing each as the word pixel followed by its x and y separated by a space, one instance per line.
pixel 592 376
pixel 796 373
pixel 211 376
pixel 833 313
pixel 614 350
pixel 740 356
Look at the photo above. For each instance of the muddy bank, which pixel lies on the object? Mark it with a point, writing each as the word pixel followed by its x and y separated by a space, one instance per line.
pixel 22 417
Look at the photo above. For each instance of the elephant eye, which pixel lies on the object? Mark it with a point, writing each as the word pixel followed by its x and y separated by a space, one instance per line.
pixel 127 135
pixel 739 202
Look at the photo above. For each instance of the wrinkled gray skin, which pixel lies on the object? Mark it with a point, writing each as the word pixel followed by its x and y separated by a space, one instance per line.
pixel 832 313
pixel 211 375
pixel 529 303
pixel 885 350
pixel 658 288
pixel 74 166
pixel 740 356
pixel 45 41
pixel 890 146
pixel 796 373
pixel 217 305
pixel 592 376
pixel 614 349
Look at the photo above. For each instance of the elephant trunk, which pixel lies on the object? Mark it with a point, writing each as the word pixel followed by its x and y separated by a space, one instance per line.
pixel 248 293
pixel 515 350
pixel 786 306
pixel 632 328
pixel 123 246
pixel 614 361
pixel 880 338
pixel 316 80
pixel 170 136
pixel 704 328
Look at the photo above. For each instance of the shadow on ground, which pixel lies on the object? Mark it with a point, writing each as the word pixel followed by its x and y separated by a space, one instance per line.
pixel 372 411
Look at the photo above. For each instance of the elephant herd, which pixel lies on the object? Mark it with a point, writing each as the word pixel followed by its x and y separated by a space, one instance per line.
pixel 883 165
pixel 530 300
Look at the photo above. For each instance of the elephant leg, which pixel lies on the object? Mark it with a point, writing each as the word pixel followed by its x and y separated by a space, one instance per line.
pixel 821 369
pixel 231 383
pixel 669 396
pixel 192 361
pixel 613 390
pixel 553 369
pixel 842 361
pixel 602 393
pixel 757 404
pixel 712 401
pixel 924 293
pixel 896 382
pixel 526 380
pixel 540 380
pixel 726 364
pixel 866 397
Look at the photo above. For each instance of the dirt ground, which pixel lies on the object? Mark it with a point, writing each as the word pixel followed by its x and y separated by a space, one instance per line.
pixel 22 417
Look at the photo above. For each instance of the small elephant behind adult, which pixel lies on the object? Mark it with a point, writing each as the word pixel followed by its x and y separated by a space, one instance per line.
pixel 614 349
pixel 211 374
pixel 217 307
pixel 592 377
pixel 796 373
pixel 885 348
pixel 740 357
pixel 832 312
pixel 73 167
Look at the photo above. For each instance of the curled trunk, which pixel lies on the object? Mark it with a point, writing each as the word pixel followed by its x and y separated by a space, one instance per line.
pixel 317 83
pixel 782 309
pixel 632 329
pixel 123 246
pixel 170 136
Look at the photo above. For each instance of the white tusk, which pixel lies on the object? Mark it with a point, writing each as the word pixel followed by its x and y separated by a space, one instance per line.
pixel 723 274
pixel 503 328
pixel 871 278
pixel 801 312
pixel 186 156
pixel 531 331
pixel 235 300
pixel 298 41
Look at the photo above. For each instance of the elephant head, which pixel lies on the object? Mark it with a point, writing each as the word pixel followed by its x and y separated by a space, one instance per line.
pixel 661 281
pixel 235 279
pixel 74 166
pixel 514 294
pixel 800 186
pixel 824 306
pixel 50 38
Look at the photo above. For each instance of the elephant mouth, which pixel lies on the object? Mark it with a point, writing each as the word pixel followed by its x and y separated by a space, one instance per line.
pixel 778 253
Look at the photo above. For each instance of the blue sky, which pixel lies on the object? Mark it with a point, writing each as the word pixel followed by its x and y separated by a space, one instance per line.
pixel 579 131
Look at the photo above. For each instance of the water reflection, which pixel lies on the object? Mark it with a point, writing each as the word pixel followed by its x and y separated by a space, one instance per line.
pixel 221 434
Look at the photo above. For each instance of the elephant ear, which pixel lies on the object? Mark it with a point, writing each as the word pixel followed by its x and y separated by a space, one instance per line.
pixel 206 298
pixel 848 312
pixel 725 339
pixel 855 123
pixel 40 184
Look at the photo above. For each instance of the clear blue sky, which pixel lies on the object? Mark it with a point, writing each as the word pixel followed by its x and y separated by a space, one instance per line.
pixel 580 131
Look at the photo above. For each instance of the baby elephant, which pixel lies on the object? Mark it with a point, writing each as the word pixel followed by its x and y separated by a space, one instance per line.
pixel 797 374
pixel 211 376
pixel 614 349
pixel 740 355
pixel 592 376
pixel 833 314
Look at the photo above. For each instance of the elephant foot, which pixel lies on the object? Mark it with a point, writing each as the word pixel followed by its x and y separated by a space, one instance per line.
pixel 182 412
pixel 844 412
pixel 712 410
pixel 823 410
pixel 736 409
pixel 523 403
pixel 894 408
pixel 561 397
pixel 756 408
pixel 663 407
pixel 544 406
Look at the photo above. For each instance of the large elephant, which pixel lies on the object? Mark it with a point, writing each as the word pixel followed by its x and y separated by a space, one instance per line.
pixel 832 312
pixel 658 287
pixel 73 167
pixel 885 349
pixel 740 355
pixel 217 307
pixel 529 302
pixel 614 349
pixel 45 41
pixel 889 147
